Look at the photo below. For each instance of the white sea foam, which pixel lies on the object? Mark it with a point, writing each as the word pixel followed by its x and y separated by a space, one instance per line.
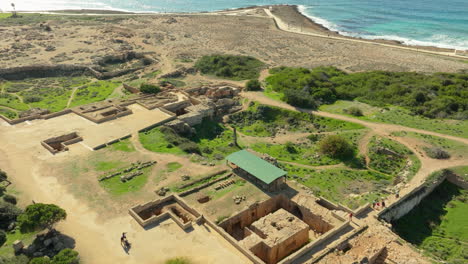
pixel 440 40
pixel 329 25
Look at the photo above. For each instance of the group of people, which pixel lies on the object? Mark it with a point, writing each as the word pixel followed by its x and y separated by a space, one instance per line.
pixel 376 204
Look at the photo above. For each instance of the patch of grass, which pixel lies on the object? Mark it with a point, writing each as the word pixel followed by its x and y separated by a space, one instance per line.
pixel 8 113
pixel 438 223
pixel 178 260
pixel 94 92
pixel 400 116
pixel 123 145
pixel 455 148
pixel 5 15
pixel 7 250
pixel 115 187
pixel 262 121
pixel 173 166
pixel 387 163
pixel 154 140
pixel 348 187
pixel 461 171
pixel 108 165
pixel 12 101
pixel 214 140
pixel 272 94
pixel 51 93
pixel 307 155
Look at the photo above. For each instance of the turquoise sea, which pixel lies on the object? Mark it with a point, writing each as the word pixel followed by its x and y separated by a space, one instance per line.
pixel 442 23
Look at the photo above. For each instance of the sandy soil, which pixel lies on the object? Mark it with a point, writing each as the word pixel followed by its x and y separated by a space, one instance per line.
pixel 173 37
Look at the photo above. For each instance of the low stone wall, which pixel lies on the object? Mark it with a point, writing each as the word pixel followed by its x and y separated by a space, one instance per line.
pixel 41 71
pixel 203 186
pixel 111 142
pixel 63 141
pixel 407 202
pixel 131 89
pixel 136 210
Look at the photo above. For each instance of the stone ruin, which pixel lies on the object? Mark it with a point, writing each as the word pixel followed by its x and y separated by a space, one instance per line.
pixel 282 230
pixel 59 144
pixel 203 102
pixel 276 235
pixel 102 111
pixel 36 111
pixel 171 206
pixel 131 172
pixel 47 243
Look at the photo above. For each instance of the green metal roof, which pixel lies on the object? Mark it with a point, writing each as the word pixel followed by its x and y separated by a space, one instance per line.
pixel 256 166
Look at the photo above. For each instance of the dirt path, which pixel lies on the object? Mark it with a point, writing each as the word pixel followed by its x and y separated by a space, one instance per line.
pixel 378 128
pixel 428 165
pixel 363 146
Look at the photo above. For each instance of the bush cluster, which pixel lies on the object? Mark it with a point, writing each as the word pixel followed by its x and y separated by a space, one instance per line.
pixel 183 143
pixel 438 95
pixel 437 153
pixel 149 88
pixel 354 110
pixel 230 66
pixel 253 85
pixel 336 147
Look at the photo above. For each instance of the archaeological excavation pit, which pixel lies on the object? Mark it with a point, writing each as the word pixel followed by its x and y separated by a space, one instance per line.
pixel 60 143
pixel 274 229
pixel 170 207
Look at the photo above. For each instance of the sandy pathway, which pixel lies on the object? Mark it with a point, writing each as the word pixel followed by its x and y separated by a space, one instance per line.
pixel 428 165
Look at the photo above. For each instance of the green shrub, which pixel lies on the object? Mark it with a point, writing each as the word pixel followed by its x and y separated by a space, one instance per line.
pixel 178 260
pixel 230 66
pixel 41 260
pixel 190 147
pixel 355 111
pixel 253 85
pixel 149 88
pixel 336 146
pixel 438 95
pixel 8 214
pixel 437 153
pixel 9 199
pixel 66 256
pixel 3 237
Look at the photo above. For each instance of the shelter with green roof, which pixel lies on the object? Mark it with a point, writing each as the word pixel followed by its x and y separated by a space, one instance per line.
pixel 257 170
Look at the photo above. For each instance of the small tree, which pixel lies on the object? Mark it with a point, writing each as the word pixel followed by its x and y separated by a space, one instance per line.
pixel 3 237
pixel 40 216
pixel 335 146
pixel 149 88
pixel 66 256
pixel 253 85
pixel 14 10
pixel 8 214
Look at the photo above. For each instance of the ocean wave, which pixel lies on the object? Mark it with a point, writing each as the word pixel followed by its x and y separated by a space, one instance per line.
pixel 437 40
pixel 329 25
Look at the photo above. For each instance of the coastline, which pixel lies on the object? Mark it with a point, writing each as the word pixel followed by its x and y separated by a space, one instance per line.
pixel 291 14
pixel 296 18
pixel 297 22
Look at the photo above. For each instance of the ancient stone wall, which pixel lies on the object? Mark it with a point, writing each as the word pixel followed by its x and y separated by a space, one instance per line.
pixel 406 203
pixel 41 71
